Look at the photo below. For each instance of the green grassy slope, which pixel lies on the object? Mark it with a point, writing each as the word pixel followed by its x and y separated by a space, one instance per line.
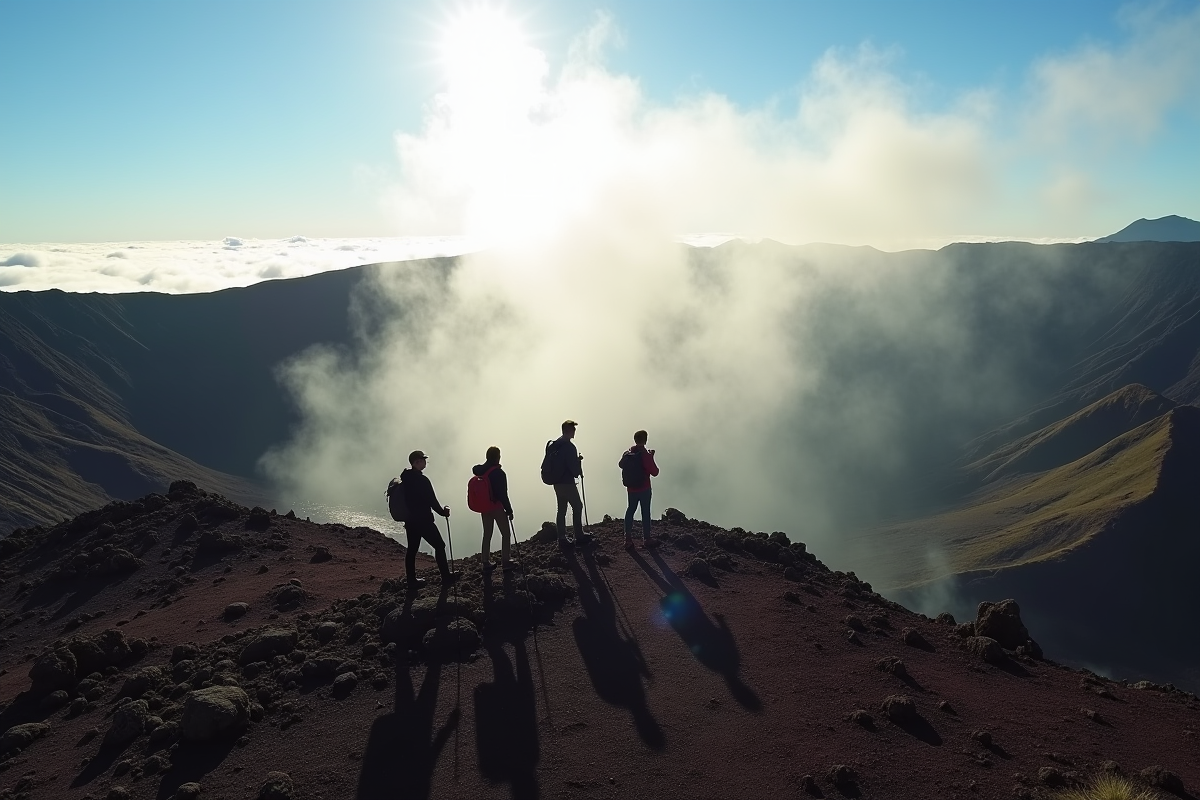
pixel 1047 515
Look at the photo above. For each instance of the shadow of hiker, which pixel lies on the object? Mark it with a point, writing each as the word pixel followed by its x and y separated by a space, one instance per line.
pixel 403 749
pixel 506 728
pixel 613 659
pixel 712 644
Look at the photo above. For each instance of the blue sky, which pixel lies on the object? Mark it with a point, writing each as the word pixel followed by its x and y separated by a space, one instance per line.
pixel 142 120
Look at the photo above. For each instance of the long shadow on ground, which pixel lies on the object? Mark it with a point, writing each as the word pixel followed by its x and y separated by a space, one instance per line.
pixel 711 643
pixel 612 657
pixel 403 749
pixel 506 728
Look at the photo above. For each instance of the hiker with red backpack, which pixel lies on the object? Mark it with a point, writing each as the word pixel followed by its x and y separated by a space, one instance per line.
pixel 487 494
pixel 637 467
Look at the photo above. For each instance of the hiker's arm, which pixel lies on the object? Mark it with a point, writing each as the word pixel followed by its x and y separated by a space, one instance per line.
pixel 500 490
pixel 651 467
pixel 437 507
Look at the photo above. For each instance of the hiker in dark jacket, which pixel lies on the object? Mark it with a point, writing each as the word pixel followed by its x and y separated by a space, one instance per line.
pixel 422 503
pixel 501 512
pixel 639 492
pixel 570 467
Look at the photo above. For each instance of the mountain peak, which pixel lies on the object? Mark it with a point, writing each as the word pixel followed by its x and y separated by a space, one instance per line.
pixel 1171 228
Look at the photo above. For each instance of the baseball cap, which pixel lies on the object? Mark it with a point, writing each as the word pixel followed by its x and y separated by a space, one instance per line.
pixel 416 455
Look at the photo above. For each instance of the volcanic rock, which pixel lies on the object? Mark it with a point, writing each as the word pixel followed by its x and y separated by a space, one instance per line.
pixel 235 610
pixel 128 722
pixel 268 643
pixel 1164 779
pixel 899 708
pixel 986 648
pixel 278 786
pixel 1002 622
pixel 215 710
pixel 19 737
pixel 55 670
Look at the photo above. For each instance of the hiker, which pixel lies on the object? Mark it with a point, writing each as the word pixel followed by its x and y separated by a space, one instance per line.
pixel 494 507
pixel 637 467
pixel 419 524
pixel 561 466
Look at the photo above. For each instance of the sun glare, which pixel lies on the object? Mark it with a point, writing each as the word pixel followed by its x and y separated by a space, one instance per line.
pixel 487 59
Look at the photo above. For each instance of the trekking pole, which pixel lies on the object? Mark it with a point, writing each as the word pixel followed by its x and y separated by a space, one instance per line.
pixel 583 491
pixel 457 654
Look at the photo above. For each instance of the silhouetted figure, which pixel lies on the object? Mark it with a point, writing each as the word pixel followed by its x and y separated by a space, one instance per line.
pixel 422 503
pixel 506 734
pixel 561 467
pixel 402 748
pixel 498 511
pixel 637 468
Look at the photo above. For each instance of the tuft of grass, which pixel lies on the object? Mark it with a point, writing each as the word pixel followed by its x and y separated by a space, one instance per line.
pixel 1109 787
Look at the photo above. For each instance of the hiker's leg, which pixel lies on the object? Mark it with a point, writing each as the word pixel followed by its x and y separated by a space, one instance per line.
pixel 560 493
pixel 645 501
pixel 488 521
pixel 434 537
pixel 633 504
pixel 576 509
pixel 505 536
pixel 410 557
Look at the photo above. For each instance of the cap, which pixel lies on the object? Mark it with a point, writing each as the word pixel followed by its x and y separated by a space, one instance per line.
pixel 415 455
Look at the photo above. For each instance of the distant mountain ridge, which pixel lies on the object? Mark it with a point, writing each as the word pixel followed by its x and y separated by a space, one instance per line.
pixel 1171 228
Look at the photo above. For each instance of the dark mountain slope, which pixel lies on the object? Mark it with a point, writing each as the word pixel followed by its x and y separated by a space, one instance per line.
pixel 1171 228
pixel 1148 332
pixel 1077 435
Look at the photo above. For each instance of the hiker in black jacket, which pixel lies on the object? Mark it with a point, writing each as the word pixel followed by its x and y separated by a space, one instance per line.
pixel 499 511
pixel 422 503
pixel 567 467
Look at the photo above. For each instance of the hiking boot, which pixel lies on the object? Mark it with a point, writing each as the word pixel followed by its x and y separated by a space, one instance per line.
pixel 629 543
pixel 450 577
pixel 652 543
pixel 416 583
pixel 584 539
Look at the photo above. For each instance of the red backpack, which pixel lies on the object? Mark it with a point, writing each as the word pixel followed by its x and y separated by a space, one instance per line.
pixel 479 493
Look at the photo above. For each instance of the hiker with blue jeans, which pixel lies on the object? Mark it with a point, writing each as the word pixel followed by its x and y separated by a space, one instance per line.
pixel 637 467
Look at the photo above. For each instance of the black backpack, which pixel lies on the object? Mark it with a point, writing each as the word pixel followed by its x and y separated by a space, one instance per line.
pixel 397 502
pixel 553 469
pixel 633 470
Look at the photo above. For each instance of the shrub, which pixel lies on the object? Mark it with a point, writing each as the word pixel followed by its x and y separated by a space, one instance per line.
pixel 1109 787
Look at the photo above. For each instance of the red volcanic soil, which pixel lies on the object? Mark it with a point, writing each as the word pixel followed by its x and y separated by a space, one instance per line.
pixel 638 680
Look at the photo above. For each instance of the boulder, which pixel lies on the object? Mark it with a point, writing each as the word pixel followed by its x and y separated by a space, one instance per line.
pixel 267 644
pixel 128 722
pixel 698 568
pixel 105 649
pixel 326 631
pixel 184 652
pixel 19 737
pixel 899 709
pixel 55 700
pixel 277 786
pixel 344 684
pixel 913 638
pixel 142 681
pixel 54 670
pixel 1164 779
pixel 1002 622
pixel 842 776
pixel 235 611
pixel 210 712
pixel 188 791
pixel 549 587
pixel 892 665
pixel 986 648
